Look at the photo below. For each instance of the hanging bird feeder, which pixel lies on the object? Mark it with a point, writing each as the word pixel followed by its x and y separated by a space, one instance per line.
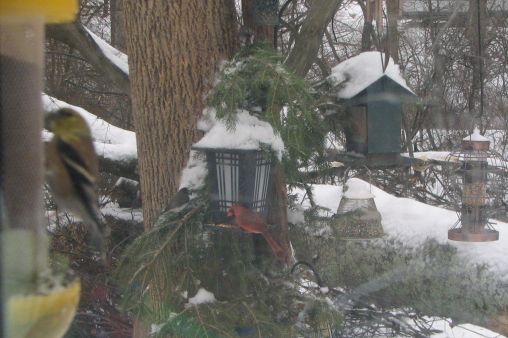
pixel 238 177
pixel 476 184
pixel 240 164
pixel 357 216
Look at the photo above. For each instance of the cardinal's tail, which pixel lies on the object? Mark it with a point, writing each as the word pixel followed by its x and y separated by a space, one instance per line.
pixel 277 250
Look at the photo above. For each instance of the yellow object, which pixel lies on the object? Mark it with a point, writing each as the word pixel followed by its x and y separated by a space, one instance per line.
pixel 53 11
pixel 42 316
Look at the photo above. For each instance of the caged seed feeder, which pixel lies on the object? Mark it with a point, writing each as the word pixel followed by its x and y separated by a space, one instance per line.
pixel 238 177
pixel 476 184
pixel 240 162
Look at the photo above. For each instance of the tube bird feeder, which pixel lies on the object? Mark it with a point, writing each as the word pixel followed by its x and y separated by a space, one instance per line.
pixel 478 187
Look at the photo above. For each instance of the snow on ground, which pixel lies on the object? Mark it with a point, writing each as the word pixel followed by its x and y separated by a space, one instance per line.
pixel 126 214
pixel 110 141
pixel 461 331
pixel 113 54
pixel 439 156
pixel 413 222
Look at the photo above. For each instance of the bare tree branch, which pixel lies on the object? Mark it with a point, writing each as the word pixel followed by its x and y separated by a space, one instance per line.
pixel 76 36
pixel 308 41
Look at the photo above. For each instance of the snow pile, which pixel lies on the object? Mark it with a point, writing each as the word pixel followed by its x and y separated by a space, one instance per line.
pixel 249 133
pixel 110 142
pixel 359 72
pixel 413 222
pixel 357 189
pixel 461 331
pixel 114 55
pixel 202 296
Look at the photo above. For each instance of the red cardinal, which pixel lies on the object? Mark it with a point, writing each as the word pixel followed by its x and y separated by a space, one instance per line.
pixel 249 221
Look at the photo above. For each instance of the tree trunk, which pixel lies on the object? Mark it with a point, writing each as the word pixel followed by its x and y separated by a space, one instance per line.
pixel 309 39
pixel 392 9
pixel 174 48
pixel 476 34
pixel 117 29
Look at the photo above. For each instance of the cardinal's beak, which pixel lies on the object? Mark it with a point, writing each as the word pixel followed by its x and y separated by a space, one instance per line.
pixel 230 212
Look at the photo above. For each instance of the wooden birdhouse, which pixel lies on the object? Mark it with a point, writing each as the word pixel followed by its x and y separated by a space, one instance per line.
pixel 372 92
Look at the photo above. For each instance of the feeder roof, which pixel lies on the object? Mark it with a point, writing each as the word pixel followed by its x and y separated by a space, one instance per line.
pixel 354 75
pixel 476 137
pixel 248 134
pixel 358 189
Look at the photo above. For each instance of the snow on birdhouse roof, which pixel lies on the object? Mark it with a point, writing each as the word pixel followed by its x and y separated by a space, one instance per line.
pixel 357 73
pixel 248 134
pixel 476 137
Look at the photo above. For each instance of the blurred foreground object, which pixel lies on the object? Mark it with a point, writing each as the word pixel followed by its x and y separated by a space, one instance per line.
pixel 24 246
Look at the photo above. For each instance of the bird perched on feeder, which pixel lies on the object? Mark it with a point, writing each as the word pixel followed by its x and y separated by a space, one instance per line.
pixel 252 223
pixel 179 200
pixel 72 169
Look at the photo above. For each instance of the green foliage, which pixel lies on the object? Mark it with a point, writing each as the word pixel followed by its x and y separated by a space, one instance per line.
pixel 432 279
pixel 181 254
pixel 257 81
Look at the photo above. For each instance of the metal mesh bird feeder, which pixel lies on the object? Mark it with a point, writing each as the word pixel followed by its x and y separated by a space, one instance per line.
pixel 476 185
pixel 238 176
pixel 357 216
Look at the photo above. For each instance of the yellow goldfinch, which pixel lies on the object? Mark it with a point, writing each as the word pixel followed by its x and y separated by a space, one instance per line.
pixel 72 169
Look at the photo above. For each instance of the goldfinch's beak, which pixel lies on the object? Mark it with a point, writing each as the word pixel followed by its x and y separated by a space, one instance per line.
pixel 49 121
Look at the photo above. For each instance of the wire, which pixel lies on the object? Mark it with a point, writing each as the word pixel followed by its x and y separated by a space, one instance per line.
pixel 480 59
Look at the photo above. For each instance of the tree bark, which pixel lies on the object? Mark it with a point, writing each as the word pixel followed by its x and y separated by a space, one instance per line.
pixel 392 9
pixel 174 48
pixel 117 30
pixel 308 41
pixel 476 34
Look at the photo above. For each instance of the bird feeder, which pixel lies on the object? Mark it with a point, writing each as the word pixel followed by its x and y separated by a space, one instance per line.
pixel 477 185
pixel 238 177
pixel 372 94
pixel 357 216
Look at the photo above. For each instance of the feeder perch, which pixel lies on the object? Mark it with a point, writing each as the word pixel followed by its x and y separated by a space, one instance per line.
pixel 238 177
pixel 357 215
pixel 477 186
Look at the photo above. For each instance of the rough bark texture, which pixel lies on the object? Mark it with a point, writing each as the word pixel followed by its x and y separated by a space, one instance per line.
pixel 392 7
pixel 174 48
pixel 307 43
pixel 476 34
pixel 117 31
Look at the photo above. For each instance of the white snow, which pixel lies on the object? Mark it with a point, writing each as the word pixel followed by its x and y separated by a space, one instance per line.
pixel 249 133
pixel 357 189
pixel 195 172
pixel 461 331
pixel 413 222
pixel 476 136
pixel 126 214
pixel 202 296
pixel 110 141
pixel 114 55
pixel 439 156
pixel 357 73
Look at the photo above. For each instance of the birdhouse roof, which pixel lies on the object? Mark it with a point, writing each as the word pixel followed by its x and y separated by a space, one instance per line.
pixel 354 75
